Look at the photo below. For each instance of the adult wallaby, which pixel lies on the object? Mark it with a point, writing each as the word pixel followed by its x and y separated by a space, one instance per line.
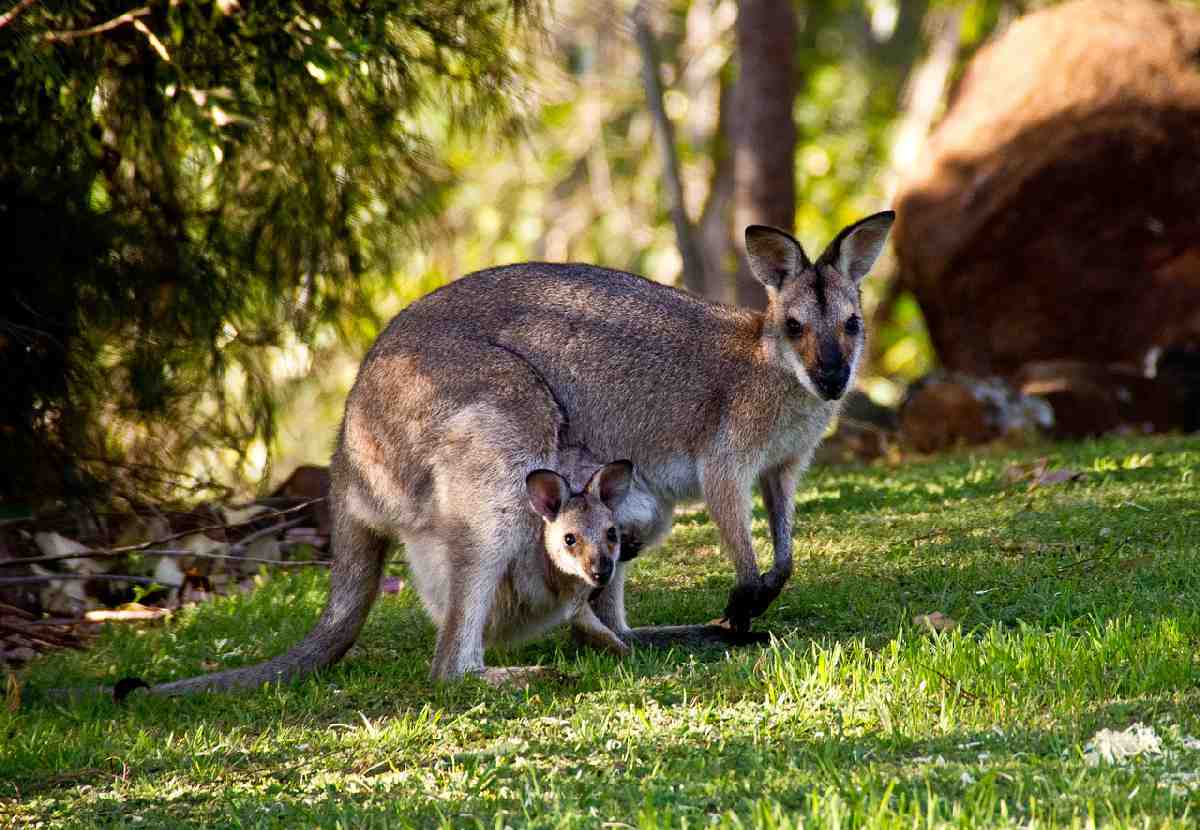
pixel 474 386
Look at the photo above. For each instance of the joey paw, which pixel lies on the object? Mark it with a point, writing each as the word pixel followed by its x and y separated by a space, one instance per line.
pixel 609 641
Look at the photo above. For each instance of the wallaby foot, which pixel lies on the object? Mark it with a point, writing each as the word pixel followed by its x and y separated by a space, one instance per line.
pixel 517 675
pixel 750 600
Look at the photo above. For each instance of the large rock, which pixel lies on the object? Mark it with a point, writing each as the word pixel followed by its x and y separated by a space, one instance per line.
pixel 1056 213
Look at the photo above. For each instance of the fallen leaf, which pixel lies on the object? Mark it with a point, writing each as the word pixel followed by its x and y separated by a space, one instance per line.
pixel 1038 473
pixel 55 544
pixel 12 695
pixel 127 612
pixel 1114 746
pixel 237 516
pixel 168 572
pixel 1136 563
pixel 936 622
pixel 1060 477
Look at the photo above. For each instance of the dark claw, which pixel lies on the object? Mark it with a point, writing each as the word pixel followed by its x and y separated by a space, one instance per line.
pixel 749 601
pixel 126 685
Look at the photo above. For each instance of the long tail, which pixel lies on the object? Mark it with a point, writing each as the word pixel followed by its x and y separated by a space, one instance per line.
pixel 694 636
pixel 354 584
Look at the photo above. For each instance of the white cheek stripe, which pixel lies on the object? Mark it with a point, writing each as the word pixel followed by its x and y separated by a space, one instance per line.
pixel 797 366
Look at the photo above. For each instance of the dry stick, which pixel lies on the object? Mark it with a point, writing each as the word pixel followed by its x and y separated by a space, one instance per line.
pixel 100 554
pixel 43 635
pixel 5 608
pixel 34 580
pixel 242 545
pixel 155 542
pixel 950 681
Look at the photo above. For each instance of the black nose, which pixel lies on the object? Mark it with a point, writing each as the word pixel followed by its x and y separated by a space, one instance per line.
pixel 831 382
pixel 602 571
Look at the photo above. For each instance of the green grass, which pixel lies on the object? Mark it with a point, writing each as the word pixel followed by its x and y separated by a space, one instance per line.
pixel 1079 609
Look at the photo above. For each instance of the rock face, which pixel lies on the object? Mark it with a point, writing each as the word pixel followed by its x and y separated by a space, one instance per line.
pixel 1056 213
pixel 945 409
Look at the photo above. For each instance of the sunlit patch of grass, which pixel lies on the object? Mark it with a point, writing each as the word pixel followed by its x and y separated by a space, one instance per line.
pixel 1078 608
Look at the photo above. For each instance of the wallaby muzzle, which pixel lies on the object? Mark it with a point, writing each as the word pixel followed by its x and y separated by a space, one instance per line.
pixel 601 571
pixel 832 371
pixel 831 381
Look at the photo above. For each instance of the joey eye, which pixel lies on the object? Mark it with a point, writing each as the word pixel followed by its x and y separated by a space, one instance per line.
pixel 853 325
pixel 794 327
pixel 569 540
pixel 612 535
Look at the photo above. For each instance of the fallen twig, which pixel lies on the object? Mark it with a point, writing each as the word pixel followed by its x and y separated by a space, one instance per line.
pixel 956 685
pixel 176 552
pixel 148 549
pixel 37 580
pixel 11 610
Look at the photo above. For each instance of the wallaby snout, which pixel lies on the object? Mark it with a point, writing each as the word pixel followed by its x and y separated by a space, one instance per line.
pixel 831 374
pixel 601 570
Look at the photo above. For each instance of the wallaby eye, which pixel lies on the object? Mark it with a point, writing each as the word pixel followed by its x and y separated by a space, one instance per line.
pixel 794 327
pixel 569 540
pixel 612 535
pixel 854 325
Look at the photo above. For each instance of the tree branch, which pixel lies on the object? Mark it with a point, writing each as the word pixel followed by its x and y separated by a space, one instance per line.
pixel 689 250
pixel 75 34
pixel 12 13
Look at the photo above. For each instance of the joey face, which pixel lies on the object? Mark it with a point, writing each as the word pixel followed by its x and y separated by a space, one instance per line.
pixel 813 323
pixel 581 536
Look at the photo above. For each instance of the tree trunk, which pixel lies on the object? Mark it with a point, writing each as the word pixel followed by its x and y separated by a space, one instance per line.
pixel 764 134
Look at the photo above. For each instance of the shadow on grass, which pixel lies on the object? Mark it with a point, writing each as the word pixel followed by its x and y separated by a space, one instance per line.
pixel 1036 772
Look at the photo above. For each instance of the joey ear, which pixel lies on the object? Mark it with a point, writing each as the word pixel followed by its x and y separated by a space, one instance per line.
pixel 774 255
pixel 610 484
pixel 548 492
pixel 853 251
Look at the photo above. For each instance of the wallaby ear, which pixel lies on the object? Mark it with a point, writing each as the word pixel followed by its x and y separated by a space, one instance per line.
pixel 774 255
pixel 548 492
pixel 610 484
pixel 853 251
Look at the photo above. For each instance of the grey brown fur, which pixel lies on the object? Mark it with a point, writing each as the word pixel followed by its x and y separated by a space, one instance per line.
pixel 473 387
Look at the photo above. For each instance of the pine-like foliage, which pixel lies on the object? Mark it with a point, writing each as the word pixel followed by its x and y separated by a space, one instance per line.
pixel 186 184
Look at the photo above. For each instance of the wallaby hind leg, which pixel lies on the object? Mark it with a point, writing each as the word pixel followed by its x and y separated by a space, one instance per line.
pixel 473 583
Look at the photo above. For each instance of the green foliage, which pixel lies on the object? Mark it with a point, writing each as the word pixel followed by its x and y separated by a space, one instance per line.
pixel 1077 607
pixel 187 188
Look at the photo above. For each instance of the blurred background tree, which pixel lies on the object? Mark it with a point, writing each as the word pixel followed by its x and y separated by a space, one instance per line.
pixel 191 193
pixel 209 208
